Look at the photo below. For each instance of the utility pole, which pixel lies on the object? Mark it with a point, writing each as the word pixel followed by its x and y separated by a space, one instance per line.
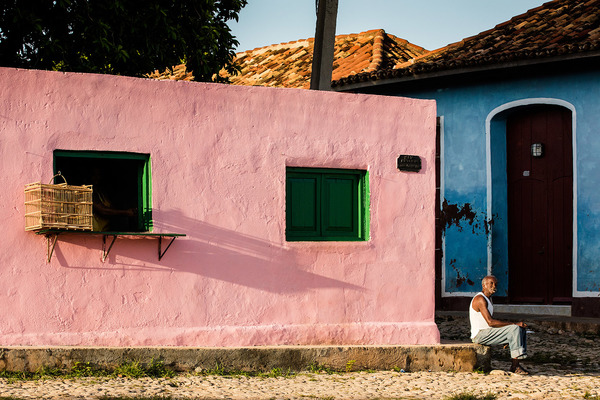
pixel 322 65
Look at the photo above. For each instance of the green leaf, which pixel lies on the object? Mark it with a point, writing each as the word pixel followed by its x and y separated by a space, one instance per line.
pixel 116 36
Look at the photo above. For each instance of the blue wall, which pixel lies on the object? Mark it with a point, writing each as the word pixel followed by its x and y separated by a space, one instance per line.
pixel 464 111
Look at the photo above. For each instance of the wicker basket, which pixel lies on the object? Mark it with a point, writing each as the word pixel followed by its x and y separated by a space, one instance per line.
pixel 60 206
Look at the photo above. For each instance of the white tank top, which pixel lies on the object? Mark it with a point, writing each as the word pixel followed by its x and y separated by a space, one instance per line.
pixel 477 321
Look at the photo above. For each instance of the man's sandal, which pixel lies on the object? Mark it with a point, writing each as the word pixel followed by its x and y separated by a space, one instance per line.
pixel 519 370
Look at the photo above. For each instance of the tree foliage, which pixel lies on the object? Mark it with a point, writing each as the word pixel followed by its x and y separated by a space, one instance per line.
pixel 126 37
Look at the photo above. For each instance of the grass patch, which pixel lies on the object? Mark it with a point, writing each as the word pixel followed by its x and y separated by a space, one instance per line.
pixel 156 369
pixel 42 373
pixel 316 368
pixel 277 373
pixel 136 398
pixel 80 370
pixel 471 396
pixel 220 370
pixel 350 365
pixel 129 370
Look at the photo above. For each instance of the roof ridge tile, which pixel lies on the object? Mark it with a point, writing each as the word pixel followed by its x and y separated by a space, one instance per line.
pixel 377 54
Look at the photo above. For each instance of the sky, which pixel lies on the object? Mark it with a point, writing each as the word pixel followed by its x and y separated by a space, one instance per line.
pixel 427 23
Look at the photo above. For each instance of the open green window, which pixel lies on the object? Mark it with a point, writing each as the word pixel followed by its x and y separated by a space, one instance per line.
pixel 120 180
pixel 326 204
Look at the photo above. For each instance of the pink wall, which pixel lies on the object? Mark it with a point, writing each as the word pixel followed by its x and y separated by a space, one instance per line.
pixel 218 157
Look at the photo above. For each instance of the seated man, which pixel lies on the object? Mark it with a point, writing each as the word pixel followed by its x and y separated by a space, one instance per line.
pixel 489 331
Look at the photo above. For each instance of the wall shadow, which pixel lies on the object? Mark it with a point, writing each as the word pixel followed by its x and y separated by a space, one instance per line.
pixel 231 256
pixel 212 252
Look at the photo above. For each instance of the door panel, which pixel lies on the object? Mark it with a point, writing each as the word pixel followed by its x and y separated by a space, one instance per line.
pixel 540 206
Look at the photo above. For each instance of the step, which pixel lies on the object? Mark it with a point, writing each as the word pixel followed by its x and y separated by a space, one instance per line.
pixel 530 309
pixel 443 357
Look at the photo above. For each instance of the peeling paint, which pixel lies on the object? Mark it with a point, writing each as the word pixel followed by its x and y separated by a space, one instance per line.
pixel 455 214
pixel 489 223
pixel 460 280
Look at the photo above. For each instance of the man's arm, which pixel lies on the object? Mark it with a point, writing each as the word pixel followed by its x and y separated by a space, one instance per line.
pixel 480 304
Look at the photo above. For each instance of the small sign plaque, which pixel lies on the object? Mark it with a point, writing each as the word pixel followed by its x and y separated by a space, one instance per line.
pixel 409 163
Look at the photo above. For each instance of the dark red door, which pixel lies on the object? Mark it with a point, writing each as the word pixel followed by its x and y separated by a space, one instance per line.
pixel 540 206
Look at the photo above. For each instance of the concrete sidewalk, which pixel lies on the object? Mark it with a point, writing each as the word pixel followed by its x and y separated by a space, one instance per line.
pixel 446 357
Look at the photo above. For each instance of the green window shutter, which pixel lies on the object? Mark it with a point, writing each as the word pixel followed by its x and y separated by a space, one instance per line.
pixel 340 206
pixel 326 204
pixel 144 197
pixel 302 210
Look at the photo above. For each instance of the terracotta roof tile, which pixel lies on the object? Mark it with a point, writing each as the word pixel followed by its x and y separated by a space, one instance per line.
pixel 179 73
pixel 556 28
pixel 290 64
pixel 353 54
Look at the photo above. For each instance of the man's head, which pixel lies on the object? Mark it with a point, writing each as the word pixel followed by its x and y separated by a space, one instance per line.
pixel 489 285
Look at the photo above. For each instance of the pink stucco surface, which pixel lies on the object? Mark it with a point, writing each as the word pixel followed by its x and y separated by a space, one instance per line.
pixel 218 159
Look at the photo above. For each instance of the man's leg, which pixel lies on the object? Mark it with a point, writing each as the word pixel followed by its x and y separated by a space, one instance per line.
pixel 514 335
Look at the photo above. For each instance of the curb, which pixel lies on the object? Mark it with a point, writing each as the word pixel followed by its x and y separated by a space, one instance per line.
pixel 444 357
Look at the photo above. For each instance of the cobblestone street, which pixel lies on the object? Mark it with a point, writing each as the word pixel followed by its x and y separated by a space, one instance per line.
pixel 565 365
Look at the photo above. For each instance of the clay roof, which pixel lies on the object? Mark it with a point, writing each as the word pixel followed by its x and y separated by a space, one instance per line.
pixel 557 28
pixel 289 64
pixel 179 73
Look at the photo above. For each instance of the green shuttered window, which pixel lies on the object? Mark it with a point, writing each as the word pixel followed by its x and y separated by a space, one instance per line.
pixel 326 204
pixel 125 179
